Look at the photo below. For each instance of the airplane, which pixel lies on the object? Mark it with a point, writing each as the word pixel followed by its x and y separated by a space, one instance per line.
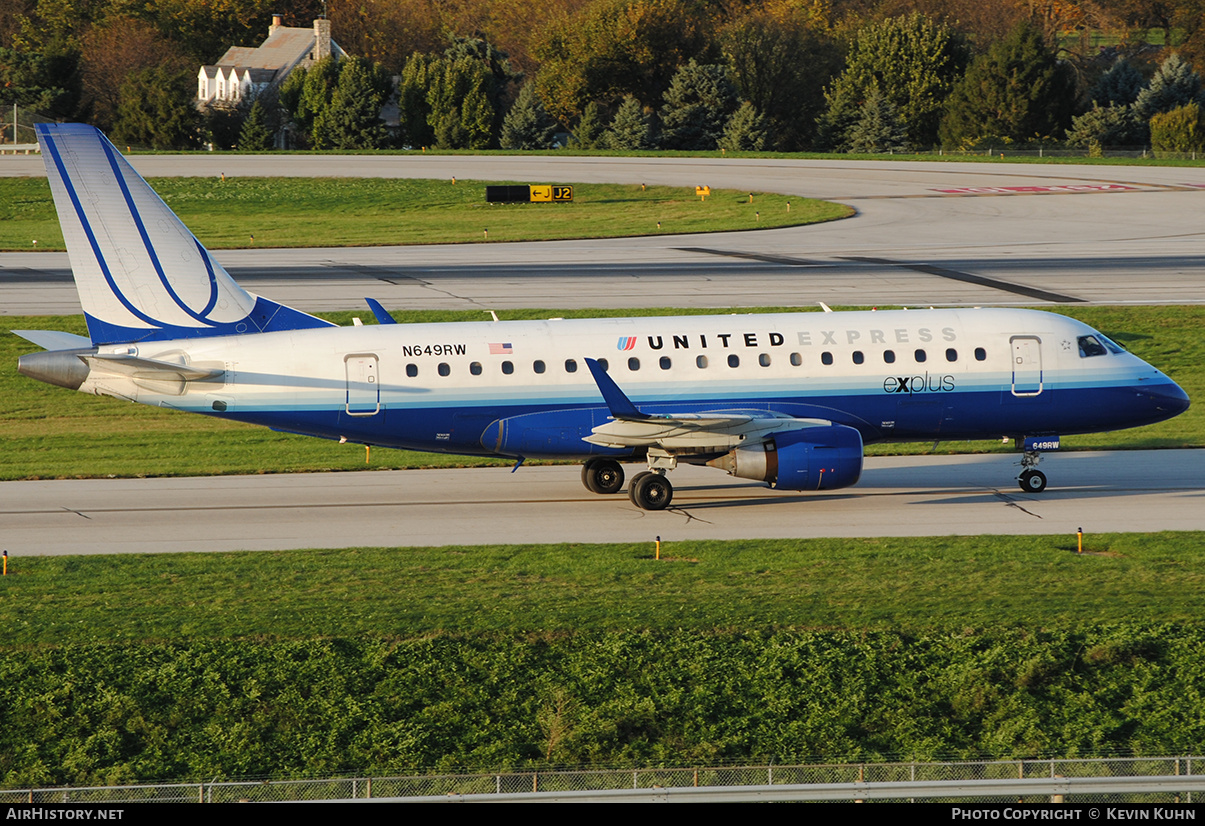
pixel 785 399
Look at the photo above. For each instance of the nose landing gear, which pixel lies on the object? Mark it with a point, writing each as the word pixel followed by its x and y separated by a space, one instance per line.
pixel 1031 479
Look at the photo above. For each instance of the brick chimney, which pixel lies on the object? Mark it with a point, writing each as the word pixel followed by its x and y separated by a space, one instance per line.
pixel 322 39
pixel 277 22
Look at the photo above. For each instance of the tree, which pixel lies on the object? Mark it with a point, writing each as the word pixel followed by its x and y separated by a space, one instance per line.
pixel 912 61
pixel 745 131
pixel 878 127
pixel 110 52
pixel 221 124
pixel 591 129
pixel 1119 86
pixel 503 78
pixel 1174 85
pixel 307 92
pixel 1179 131
pixel 255 135
pixel 1103 126
pixel 336 104
pixel 414 113
pixel 460 113
pixel 528 125
pixel 631 128
pixel 781 67
pixel 352 119
pixel 35 81
pixel 1018 91
pixel 611 49
pixel 698 103
pixel 156 109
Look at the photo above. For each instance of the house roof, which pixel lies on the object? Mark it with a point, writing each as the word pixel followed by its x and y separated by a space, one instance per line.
pixel 284 48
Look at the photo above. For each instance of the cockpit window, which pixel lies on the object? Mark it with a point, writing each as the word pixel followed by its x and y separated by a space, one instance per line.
pixel 1113 346
pixel 1090 346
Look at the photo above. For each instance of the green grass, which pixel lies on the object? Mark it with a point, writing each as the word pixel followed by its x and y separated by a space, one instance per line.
pixel 911 586
pixel 336 212
pixel 49 432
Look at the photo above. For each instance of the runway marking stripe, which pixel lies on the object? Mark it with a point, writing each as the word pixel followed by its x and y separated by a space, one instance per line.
pixel 1008 190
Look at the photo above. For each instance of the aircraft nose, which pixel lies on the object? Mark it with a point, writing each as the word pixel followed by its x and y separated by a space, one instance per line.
pixel 1169 399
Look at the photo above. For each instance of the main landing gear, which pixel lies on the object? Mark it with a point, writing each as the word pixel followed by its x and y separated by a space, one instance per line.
pixel 1031 479
pixel 649 490
pixel 602 476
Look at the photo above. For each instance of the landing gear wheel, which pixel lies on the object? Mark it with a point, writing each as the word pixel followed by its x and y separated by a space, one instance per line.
pixel 632 485
pixel 651 491
pixel 1032 481
pixel 602 476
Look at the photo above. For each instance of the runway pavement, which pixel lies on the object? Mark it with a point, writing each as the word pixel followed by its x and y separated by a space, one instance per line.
pixel 925 234
pixel 897 496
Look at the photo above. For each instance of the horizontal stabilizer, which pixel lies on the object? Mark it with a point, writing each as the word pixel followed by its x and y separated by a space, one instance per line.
pixel 140 368
pixel 54 339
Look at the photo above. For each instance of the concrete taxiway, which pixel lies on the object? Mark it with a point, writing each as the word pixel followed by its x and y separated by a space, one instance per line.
pixel 897 496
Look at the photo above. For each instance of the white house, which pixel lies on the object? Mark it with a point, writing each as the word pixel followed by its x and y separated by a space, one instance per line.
pixel 244 71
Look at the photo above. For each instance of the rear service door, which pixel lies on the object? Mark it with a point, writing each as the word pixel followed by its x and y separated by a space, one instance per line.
pixel 363 384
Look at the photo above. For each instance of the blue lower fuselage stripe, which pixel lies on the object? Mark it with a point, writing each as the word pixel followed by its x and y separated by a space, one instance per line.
pixel 559 430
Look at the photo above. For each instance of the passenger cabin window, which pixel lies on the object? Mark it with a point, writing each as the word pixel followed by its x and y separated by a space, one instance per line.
pixel 604 365
pixel 858 357
pixel 980 354
pixel 665 363
pixel 796 359
pixel 570 366
pixel 444 369
pixel 475 368
pixel 633 364
pixel 920 356
pixel 1090 346
pixel 734 360
pixel 538 366
pixel 951 354
pixel 411 370
pixel 764 359
pixel 508 368
pixel 826 358
pixel 889 356
pixel 701 362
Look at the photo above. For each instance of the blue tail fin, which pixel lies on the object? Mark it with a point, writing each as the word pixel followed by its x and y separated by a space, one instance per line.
pixel 141 275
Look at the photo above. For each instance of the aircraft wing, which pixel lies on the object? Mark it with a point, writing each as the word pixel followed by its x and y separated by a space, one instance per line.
pixel 704 431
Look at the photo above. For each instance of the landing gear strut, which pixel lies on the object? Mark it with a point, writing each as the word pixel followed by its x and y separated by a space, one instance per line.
pixel 651 491
pixel 602 476
pixel 1031 479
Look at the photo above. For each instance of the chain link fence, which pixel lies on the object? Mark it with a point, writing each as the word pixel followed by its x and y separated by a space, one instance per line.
pixel 350 788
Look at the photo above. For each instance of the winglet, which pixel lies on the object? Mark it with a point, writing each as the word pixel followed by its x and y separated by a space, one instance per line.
pixel 620 405
pixel 379 311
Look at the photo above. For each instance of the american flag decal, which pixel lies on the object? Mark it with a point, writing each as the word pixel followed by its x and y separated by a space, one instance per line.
pixel 500 349
pixel 626 342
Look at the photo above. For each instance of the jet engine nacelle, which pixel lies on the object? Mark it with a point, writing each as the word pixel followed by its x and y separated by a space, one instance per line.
pixel 813 458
